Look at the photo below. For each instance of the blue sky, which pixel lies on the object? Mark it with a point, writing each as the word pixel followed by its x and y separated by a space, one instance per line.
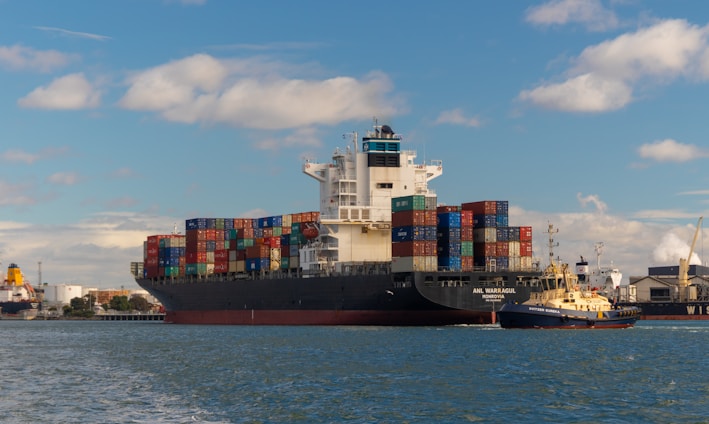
pixel 123 118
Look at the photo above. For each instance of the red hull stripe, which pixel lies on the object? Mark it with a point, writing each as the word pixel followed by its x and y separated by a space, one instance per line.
pixel 324 317
pixel 675 317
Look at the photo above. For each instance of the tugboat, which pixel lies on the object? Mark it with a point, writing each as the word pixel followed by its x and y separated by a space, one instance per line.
pixel 562 303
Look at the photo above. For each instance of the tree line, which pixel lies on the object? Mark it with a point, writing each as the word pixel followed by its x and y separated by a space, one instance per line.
pixel 82 307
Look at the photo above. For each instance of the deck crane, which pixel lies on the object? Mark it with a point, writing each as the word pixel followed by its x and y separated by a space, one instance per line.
pixel 683 277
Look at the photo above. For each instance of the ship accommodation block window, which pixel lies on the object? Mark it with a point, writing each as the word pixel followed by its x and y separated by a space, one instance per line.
pixel 385 185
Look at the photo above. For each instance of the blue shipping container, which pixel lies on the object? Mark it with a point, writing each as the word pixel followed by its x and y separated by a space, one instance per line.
pixel 408 233
pixel 452 263
pixel 257 264
pixel 449 220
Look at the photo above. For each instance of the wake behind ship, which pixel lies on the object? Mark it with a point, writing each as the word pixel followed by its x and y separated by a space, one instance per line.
pixel 380 251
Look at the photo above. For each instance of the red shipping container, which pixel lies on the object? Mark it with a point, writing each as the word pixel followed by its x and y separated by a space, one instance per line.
pixel 466 233
pixel 197 246
pixel 466 218
pixel 211 234
pixel 525 248
pixel 153 241
pixel 431 218
pixel 484 249
pixel 221 267
pixel 245 233
pixel 152 251
pixel 502 248
pixel 408 218
pixel 485 207
pixel 151 261
pixel 466 263
pixel 525 233
pixel 444 209
pixel 221 255
pixel 408 248
pixel 274 242
pixel 258 251
pixel 151 271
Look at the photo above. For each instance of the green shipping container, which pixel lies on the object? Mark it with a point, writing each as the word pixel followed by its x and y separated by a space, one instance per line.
pixel 172 271
pixel 466 248
pixel 408 203
pixel 196 269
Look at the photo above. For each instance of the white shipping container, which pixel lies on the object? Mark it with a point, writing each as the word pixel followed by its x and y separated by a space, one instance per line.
pixel 414 263
pixel 526 263
pixel 514 248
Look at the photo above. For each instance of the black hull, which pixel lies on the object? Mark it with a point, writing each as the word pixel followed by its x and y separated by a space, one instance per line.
pixel 533 316
pixel 673 310
pixel 13 308
pixel 387 299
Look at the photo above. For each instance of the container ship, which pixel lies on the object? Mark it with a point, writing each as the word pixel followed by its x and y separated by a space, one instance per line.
pixel 380 250
pixel 17 297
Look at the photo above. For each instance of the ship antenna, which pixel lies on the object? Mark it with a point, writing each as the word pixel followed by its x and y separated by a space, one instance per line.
pixel 354 137
pixel 599 252
pixel 551 231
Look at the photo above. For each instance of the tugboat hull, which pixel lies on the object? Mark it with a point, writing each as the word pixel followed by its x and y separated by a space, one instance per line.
pixel 531 316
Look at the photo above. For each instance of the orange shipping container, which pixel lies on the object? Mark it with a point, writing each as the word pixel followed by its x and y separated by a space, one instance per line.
pixel 466 218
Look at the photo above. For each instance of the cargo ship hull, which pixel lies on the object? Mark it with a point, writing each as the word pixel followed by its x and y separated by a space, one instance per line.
pixel 673 310
pixel 16 307
pixel 404 299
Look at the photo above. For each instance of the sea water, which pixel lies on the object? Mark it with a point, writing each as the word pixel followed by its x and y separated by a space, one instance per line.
pixel 147 372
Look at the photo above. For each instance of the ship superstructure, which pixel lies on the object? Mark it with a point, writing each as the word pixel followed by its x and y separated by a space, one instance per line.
pixel 356 190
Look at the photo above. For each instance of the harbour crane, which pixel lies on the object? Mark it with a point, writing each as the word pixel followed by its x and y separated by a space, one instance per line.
pixel 683 277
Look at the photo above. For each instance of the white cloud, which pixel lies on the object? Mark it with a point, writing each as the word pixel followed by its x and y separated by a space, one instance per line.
pixel 593 199
pixel 604 76
pixel 667 49
pixel 203 89
pixel 585 93
pixel 70 92
pixel 64 178
pixel 669 150
pixel 16 194
pixel 17 155
pixel 591 13
pixel 307 136
pixel 21 58
pixel 68 33
pixel 671 249
pixel 456 117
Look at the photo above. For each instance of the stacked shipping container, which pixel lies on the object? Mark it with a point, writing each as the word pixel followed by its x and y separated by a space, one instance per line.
pixel 413 235
pixel 164 256
pixel 425 237
pixel 498 246
pixel 223 245
pixel 449 238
